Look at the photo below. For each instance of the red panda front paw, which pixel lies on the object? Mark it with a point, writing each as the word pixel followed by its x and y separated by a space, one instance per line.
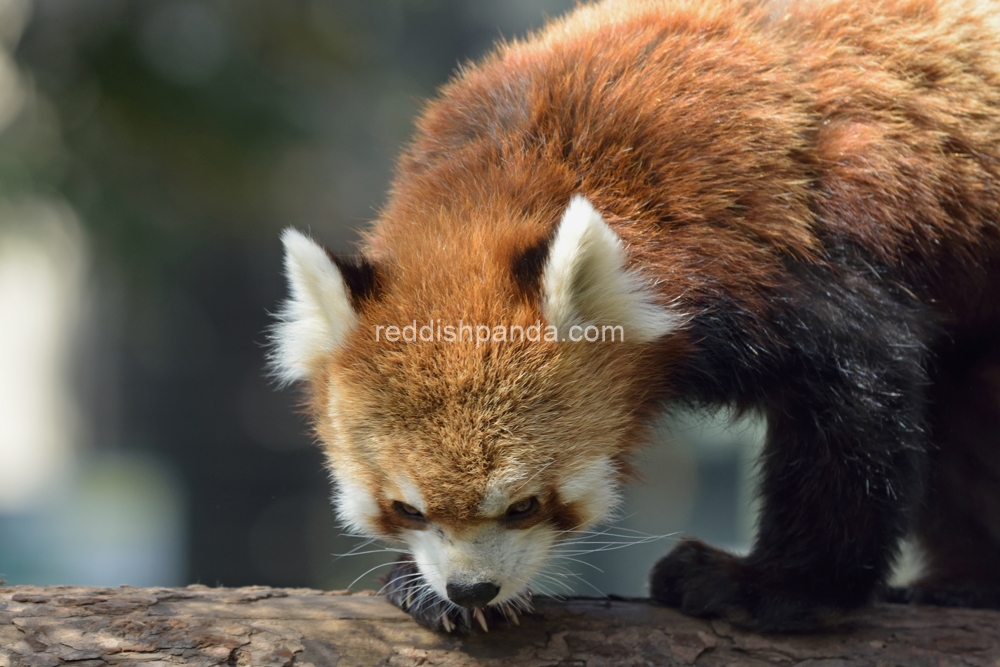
pixel 406 588
pixel 703 581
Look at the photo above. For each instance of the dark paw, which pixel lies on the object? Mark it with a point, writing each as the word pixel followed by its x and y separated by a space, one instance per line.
pixel 703 581
pixel 942 597
pixel 700 581
pixel 405 588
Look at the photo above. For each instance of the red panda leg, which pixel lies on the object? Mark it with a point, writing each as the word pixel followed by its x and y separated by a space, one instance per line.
pixel 829 531
pixel 958 527
pixel 843 392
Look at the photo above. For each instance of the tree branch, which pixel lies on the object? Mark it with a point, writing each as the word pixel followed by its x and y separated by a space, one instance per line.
pixel 265 627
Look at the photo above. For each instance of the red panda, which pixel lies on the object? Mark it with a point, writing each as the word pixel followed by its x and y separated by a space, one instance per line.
pixel 789 208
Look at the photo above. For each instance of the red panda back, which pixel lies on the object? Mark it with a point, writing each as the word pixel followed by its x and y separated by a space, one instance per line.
pixel 735 132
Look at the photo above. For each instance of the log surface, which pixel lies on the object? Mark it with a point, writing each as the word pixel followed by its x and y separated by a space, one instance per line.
pixel 161 627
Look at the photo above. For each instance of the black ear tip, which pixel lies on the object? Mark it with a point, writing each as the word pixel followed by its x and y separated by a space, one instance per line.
pixel 360 276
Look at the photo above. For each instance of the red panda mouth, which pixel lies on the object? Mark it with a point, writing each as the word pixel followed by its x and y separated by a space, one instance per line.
pixel 406 588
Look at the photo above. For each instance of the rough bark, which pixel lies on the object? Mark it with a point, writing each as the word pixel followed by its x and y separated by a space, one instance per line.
pixel 94 627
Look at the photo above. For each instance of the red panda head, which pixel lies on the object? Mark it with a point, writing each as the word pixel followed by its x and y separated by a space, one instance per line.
pixel 478 453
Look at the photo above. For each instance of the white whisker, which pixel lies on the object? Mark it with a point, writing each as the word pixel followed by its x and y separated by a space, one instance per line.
pixel 577 560
pixel 365 553
pixel 369 571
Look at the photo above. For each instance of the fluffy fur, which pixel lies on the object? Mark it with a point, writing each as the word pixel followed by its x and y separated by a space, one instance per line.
pixel 793 209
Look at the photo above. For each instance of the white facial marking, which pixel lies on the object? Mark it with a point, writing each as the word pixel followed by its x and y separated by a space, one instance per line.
pixel 507 558
pixel 317 316
pixel 409 493
pixel 503 488
pixel 495 501
pixel 356 506
pixel 585 281
pixel 594 489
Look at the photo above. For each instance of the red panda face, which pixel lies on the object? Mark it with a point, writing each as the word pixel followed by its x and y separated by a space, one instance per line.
pixel 479 454
pixel 480 461
pixel 473 462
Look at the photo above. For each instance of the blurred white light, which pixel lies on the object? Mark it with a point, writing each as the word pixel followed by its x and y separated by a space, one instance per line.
pixel 67 515
pixel 41 258
pixel 121 522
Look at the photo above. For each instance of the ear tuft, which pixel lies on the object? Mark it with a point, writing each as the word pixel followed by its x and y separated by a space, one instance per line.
pixel 316 317
pixel 585 282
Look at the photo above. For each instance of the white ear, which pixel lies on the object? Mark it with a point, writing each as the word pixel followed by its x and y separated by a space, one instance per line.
pixel 317 316
pixel 585 282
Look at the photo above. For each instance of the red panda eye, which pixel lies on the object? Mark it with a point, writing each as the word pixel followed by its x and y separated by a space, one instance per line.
pixel 409 511
pixel 522 508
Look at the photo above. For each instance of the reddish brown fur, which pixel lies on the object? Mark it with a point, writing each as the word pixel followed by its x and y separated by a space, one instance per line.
pixel 760 128
pixel 454 427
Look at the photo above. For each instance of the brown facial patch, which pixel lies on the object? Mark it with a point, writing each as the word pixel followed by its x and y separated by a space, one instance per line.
pixel 565 517
pixel 549 509
pixel 393 518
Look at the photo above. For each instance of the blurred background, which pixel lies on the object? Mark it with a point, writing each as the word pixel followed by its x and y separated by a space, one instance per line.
pixel 150 153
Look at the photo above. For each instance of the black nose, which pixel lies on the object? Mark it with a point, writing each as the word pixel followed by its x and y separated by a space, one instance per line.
pixel 472 595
